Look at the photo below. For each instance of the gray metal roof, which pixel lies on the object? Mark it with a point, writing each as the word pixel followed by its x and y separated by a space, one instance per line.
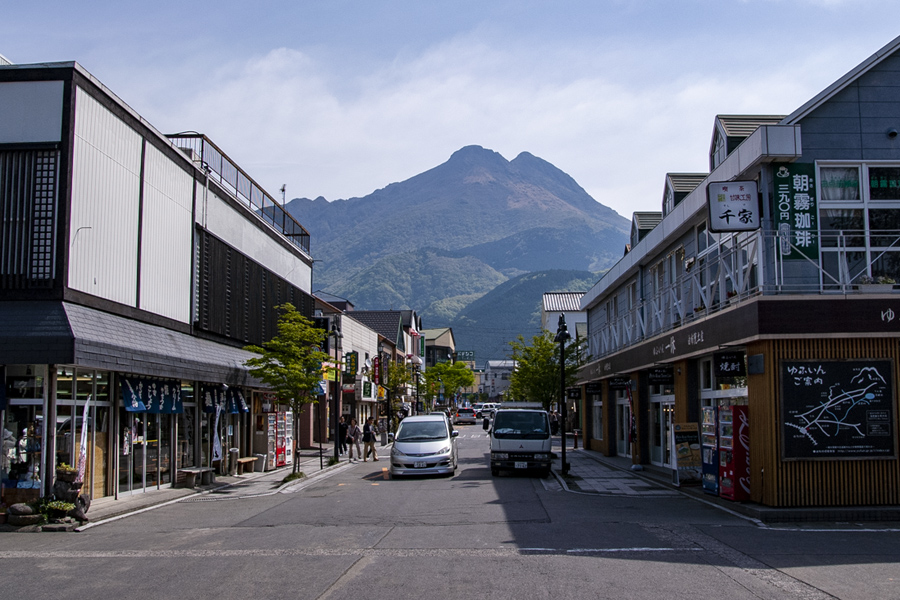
pixel 646 220
pixel 744 125
pixel 384 322
pixel 562 301
pixel 685 182
pixel 64 333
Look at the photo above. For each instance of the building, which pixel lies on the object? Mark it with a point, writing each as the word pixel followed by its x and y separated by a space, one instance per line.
pixel 748 306
pixel 440 346
pixel 496 379
pixel 567 305
pixel 135 267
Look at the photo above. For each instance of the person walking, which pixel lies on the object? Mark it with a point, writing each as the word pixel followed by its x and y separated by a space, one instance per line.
pixel 354 433
pixel 369 440
pixel 342 436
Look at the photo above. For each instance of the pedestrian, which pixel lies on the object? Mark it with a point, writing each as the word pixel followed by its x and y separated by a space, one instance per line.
pixel 554 422
pixel 353 435
pixel 342 436
pixel 369 440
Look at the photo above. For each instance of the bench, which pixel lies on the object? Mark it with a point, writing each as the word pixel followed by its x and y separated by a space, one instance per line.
pixel 245 463
pixel 207 475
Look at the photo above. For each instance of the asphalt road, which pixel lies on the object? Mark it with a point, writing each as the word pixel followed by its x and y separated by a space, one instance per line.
pixel 359 534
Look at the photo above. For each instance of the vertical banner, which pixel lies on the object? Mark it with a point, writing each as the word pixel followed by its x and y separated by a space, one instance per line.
pixel 82 450
pixel 795 211
pixel 217 443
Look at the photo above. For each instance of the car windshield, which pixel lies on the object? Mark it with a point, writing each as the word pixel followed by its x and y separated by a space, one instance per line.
pixel 417 431
pixel 529 425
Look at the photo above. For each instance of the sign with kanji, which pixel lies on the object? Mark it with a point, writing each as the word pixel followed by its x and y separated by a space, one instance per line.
pixel 795 211
pixel 733 206
pixel 729 364
pixel 351 363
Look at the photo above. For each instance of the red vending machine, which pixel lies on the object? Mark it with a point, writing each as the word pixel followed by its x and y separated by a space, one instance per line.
pixel 734 453
pixel 280 438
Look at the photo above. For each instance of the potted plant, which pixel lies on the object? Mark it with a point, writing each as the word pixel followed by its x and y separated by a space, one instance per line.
pixel 65 472
pixel 882 284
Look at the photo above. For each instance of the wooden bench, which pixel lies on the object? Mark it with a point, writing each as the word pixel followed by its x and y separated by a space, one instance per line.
pixel 207 475
pixel 248 461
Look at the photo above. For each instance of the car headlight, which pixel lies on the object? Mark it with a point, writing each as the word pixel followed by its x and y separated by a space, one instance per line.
pixel 395 452
pixel 501 455
pixel 444 450
pixel 541 456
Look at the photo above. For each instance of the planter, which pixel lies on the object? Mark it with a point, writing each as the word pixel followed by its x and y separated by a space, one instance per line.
pixel 875 288
pixel 67 476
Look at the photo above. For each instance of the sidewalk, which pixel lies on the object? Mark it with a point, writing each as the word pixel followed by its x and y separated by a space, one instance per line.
pixel 591 472
pixel 248 484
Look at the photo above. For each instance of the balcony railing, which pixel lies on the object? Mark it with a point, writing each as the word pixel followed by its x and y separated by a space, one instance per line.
pixel 738 268
pixel 230 177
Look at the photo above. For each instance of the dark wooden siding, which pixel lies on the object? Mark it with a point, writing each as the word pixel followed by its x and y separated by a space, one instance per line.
pixel 775 482
pixel 237 296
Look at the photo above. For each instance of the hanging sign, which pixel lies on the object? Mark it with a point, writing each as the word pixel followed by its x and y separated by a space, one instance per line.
pixel 795 211
pixel 661 376
pixel 729 364
pixel 733 206
pixel 620 383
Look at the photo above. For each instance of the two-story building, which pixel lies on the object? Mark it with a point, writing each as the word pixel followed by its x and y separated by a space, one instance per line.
pixel 134 267
pixel 747 309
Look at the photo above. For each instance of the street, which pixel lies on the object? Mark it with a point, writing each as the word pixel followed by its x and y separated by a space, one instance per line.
pixel 356 533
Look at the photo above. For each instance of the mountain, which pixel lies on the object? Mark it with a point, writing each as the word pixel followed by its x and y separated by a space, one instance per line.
pixel 480 326
pixel 442 239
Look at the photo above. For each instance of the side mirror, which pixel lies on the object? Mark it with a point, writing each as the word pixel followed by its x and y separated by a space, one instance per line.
pixel 454 434
pixel 486 424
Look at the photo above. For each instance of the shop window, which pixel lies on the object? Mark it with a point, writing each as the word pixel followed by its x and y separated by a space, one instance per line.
pixel 839 183
pixel 598 417
pixel 706 376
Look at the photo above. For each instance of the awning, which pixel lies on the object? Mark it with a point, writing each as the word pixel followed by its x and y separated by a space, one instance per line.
pixel 64 333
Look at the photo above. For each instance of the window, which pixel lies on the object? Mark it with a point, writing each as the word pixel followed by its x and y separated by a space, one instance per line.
pixel 859 222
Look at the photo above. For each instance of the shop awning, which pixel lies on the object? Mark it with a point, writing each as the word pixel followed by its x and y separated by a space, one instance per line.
pixel 64 333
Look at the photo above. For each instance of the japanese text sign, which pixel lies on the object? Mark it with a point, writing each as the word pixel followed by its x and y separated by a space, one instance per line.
pixel 733 206
pixel 795 211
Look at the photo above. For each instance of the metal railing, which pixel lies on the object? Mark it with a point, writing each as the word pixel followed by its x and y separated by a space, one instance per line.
pixel 737 268
pixel 230 177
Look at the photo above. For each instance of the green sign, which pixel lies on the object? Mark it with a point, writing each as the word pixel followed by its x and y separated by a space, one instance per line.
pixel 351 363
pixel 796 211
pixel 465 355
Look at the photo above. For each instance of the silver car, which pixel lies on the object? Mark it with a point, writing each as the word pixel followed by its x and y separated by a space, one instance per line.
pixel 424 445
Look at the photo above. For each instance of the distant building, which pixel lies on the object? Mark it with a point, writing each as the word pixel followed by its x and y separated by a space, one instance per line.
pixel 496 379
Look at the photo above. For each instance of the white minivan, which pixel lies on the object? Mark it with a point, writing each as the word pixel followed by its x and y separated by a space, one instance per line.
pixel 424 445
pixel 520 440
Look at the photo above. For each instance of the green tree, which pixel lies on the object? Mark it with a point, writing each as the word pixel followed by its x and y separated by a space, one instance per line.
pixel 291 363
pixel 536 377
pixel 454 376
pixel 399 378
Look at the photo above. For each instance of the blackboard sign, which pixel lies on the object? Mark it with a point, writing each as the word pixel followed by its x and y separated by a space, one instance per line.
pixel 594 387
pixel 837 409
pixel 729 364
pixel 573 393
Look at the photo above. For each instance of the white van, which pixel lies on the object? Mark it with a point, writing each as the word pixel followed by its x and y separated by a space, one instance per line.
pixel 520 440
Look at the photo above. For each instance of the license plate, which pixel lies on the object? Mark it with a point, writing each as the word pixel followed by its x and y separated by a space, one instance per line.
pixel 420 465
pixel 521 465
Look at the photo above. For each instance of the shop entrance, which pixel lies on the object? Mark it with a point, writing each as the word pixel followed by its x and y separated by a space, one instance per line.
pixel 660 448
pixel 623 424
pixel 144 451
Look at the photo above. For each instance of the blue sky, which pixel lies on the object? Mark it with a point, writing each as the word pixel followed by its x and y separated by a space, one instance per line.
pixel 341 97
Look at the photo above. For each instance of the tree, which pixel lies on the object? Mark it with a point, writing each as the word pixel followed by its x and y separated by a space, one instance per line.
pixel 536 377
pixel 291 363
pixel 398 380
pixel 453 376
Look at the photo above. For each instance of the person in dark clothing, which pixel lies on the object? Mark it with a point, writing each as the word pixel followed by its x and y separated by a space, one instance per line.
pixel 342 435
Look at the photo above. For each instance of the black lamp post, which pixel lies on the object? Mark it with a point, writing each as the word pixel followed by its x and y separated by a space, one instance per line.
pixel 337 335
pixel 562 334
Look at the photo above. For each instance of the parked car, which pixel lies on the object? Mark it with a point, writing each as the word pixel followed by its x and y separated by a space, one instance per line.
pixel 424 445
pixel 464 415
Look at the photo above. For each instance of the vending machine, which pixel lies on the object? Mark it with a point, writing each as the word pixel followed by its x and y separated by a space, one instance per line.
pixel 709 449
pixel 734 453
pixel 275 438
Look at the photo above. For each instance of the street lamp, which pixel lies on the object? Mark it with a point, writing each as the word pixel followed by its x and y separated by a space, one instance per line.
pixel 337 335
pixel 562 334
pixel 417 363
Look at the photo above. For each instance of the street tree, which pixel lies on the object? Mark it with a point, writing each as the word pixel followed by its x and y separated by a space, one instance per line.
pixel 291 363
pixel 453 376
pixel 398 381
pixel 536 376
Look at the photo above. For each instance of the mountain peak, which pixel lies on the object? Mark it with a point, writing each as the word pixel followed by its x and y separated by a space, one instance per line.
pixel 470 155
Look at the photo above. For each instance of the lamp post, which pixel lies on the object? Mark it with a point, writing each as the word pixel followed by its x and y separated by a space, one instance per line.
pixel 417 363
pixel 336 396
pixel 562 334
